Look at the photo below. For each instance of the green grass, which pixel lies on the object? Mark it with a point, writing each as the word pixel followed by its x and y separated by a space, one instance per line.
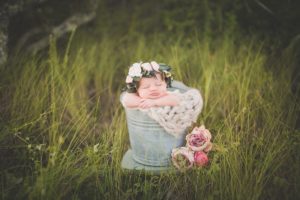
pixel 66 133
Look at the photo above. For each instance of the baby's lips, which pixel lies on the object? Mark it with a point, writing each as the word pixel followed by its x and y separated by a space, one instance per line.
pixel 154 94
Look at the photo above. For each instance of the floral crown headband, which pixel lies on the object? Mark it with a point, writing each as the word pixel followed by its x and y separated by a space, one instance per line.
pixel 139 70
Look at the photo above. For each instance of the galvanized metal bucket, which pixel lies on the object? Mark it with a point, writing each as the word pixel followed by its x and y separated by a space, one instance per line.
pixel 151 145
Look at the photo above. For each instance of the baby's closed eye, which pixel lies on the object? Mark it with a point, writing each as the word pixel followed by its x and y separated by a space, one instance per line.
pixel 145 86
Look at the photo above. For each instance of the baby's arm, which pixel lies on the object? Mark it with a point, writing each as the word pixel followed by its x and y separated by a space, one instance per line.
pixel 167 100
pixel 131 100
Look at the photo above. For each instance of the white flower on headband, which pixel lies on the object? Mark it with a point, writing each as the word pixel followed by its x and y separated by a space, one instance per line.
pixel 135 70
pixel 147 67
pixel 155 66
pixel 129 79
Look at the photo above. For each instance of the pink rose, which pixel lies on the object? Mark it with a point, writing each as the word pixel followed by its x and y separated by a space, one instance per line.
pixel 129 79
pixel 147 66
pixel 199 139
pixel 202 130
pixel 182 158
pixel 200 158
pixel 155 66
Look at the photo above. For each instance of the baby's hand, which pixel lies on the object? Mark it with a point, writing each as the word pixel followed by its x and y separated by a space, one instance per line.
pixel 147 103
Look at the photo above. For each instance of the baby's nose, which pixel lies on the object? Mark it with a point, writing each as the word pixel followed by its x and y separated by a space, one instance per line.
pixel 152 87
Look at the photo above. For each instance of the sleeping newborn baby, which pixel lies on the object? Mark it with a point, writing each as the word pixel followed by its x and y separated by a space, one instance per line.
pixel 147 91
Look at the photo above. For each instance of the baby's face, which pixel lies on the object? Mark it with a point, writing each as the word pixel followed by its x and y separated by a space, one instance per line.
pixel 152 88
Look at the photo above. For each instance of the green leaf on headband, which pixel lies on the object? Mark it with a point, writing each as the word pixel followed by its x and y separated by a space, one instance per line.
pixel 136 78
pixel 164 67
pixel 152 73
pixel 131 90
pixel 131 87
pixel 147 73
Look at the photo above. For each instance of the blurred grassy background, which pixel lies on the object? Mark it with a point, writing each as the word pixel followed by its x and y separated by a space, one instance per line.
pixel 63 130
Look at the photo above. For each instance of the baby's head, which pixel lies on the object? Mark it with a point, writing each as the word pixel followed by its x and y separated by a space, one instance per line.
pixel 152 87
pixel 149 80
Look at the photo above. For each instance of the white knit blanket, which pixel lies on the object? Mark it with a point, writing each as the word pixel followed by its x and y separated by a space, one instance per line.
pixel 176 119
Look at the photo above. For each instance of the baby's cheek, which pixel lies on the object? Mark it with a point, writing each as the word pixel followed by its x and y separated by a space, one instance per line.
pixel 163 89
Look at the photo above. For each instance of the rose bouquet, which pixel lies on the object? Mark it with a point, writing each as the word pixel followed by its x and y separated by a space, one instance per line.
pixel 198 144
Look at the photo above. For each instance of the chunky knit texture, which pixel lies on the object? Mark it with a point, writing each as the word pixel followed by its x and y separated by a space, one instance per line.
pixel 176 119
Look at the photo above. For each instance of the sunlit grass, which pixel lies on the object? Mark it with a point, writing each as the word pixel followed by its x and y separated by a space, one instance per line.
pixel 66 117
